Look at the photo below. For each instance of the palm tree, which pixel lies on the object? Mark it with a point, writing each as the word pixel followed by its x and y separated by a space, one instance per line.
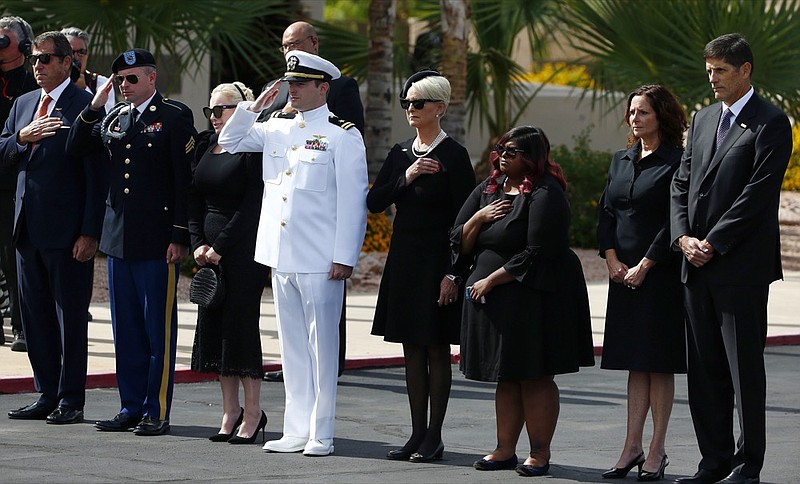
pixel 625 49
pixel 455 29
pixel 181 33
pixel 379 86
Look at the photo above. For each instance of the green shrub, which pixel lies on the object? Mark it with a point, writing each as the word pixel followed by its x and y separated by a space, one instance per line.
pixel 586 171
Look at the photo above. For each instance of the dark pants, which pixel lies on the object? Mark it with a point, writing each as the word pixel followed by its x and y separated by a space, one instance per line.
pixel 8 256
pixel 727 334
pixel 53 303
pixel 144 315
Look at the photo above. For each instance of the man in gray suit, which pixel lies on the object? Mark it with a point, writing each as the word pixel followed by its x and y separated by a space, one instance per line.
pixel 725 199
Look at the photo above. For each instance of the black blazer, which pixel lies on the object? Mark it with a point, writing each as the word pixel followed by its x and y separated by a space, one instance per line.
pixel 731 196
pixel 58 196
pixel 146 209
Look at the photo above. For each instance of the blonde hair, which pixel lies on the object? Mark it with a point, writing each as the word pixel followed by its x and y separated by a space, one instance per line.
pixel 434 87
pixel 236 90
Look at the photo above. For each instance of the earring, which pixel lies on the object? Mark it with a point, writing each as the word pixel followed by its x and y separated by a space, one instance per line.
pixel 437 115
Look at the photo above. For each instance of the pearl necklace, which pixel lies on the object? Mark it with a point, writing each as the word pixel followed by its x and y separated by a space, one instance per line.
pixel 417 150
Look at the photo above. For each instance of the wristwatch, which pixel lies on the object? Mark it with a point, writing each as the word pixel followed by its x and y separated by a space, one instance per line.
pixel 457 280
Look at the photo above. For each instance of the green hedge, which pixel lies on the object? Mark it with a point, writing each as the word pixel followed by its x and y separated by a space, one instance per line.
pixel 586 171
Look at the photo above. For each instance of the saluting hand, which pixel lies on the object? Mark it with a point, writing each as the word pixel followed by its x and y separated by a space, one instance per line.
pixel 266 98
pixel 101 96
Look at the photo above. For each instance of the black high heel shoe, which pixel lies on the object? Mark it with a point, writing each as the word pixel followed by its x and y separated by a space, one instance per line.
pixel 262 425
pixel 621 472
pixel 220 437
pixel 437 455
pixel 654 476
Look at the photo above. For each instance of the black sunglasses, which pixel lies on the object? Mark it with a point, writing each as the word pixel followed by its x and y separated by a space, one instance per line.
pixel 43 58
pixel 417 103
pixel 506 151
pixel 131 78
pixel 217 110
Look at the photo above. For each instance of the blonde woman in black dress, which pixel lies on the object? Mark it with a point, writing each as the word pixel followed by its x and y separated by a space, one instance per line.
pixel 225 202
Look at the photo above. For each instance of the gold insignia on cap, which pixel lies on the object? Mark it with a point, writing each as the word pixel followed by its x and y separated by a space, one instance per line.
pixel 190 144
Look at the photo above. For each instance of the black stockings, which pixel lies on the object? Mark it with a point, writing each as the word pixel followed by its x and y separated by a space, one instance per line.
pixel 428 378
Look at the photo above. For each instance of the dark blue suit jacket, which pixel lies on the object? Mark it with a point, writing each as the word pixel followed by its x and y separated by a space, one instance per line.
pixel 58 197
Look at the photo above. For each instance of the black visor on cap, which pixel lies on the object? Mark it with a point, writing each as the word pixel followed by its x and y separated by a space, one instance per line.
pixel 416 77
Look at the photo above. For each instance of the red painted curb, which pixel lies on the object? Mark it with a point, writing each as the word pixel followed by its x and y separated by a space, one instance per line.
pixel 24 384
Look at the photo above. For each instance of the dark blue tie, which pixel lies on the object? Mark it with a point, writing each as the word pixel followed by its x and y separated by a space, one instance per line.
pixel 724 126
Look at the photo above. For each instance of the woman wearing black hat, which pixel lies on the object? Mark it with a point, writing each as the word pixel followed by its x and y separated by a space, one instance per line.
pixel 427 178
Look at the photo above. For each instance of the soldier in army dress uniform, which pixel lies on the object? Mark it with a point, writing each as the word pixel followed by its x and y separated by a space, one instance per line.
pixel 313 219
pixel 151 143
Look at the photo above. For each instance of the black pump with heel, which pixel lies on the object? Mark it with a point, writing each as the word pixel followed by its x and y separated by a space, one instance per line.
pixel 220 437
pixel 262 425
pixel 621 472
pixel 646 476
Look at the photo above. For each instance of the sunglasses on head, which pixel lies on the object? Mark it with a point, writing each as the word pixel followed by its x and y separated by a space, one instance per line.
pixel 217 110
pixel 417 103
pixel 131 78
pixel 506 151
pixel 43 58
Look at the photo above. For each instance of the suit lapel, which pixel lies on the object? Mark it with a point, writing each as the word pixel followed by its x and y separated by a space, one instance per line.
pixel 738 126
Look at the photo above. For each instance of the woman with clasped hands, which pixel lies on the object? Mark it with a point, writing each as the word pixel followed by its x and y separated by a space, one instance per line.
pixel 427 178
pixel 526 317
pixel 644 329
pixel 224 206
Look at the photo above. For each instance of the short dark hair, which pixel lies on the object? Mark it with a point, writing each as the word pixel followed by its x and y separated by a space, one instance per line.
pixel 731 48
pixel 670 114
pixel 61 46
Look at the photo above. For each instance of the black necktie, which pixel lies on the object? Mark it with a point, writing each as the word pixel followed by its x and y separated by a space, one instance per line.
pixel 724 126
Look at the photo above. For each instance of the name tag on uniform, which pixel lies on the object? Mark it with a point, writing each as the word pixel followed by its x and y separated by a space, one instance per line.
pixel 317 143
pixel 152 128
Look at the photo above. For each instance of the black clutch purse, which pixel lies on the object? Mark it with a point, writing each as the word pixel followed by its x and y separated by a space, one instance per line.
pixel 207 289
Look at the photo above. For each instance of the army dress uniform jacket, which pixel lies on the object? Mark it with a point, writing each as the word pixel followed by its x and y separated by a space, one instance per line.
pixel 146 209
pixel 315 185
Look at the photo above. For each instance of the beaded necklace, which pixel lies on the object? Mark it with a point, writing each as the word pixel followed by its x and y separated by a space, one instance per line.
pixel 419 153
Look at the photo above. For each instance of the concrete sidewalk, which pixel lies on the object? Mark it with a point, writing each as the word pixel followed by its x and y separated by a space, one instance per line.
pixel 363 349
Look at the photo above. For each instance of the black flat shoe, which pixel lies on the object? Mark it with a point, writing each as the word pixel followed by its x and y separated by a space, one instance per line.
pixel 220 437
pixel 63 415
pixel 622 472
pixel 151 426
pixel 121 422
pixel 654 476
pixel 437 455
pixel 399 454
pixel 262 425
pixel 35 411
pixel 532 471
pixel 496 465
pixel 273 376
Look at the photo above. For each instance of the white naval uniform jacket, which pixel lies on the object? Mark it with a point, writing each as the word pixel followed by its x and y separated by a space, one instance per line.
pixel 313 211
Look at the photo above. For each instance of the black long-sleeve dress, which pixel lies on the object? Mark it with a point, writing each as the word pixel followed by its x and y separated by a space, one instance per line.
pixel 224 206
pixel 538 324
pixel 419 256
pixel 644 328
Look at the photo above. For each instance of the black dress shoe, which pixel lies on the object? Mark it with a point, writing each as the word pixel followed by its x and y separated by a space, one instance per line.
pixel 436 455
pixel 527 470
pixel 35 411
pixel 399 454
pixel 152 426
pixel 273 375
pixel 622 472
pixel 703 476
pixel 496 465
pixel 63 415
pixel 736 478
pixel 120 423
pixel 648 476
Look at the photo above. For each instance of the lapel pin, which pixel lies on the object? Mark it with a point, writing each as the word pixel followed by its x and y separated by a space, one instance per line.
pixel 744 126
pixel 152 108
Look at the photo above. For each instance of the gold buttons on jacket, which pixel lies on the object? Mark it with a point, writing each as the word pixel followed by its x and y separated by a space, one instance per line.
pixel 126 191
pixel 127 161
pixel 127 175
pixel 284 198
pixel 301 125
pixel 283 223
pixel 128 146
pixel 149 145
pixel 294 147
pixel 288 172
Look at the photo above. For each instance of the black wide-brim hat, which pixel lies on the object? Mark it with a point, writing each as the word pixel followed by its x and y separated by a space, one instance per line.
pixel 133 58
pixel 416 77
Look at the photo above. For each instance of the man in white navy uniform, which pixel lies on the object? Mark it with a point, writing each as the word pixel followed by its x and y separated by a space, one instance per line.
pixel 312 225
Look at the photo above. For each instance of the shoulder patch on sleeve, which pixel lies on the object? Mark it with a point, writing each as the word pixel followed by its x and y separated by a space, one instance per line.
pixel 341 122
pixel 282 115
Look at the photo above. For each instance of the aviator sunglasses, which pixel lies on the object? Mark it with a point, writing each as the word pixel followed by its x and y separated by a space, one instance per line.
pixel 417 103
pixel 43 58
pixel 506 151
pixel 131 78
pixel 217 110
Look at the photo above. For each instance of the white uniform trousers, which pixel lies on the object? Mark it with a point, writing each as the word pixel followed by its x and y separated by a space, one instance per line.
pixel 307 309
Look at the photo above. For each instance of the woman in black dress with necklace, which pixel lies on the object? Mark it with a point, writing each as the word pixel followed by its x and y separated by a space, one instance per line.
pixel 644 330
pixel 427 178
pixel 224 204
pixel 526 317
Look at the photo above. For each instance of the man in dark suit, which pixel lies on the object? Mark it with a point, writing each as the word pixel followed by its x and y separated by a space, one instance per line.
pixel 15 80
pixel 151 143
pixel 345 102
pixel 725 199
pixel 57 222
